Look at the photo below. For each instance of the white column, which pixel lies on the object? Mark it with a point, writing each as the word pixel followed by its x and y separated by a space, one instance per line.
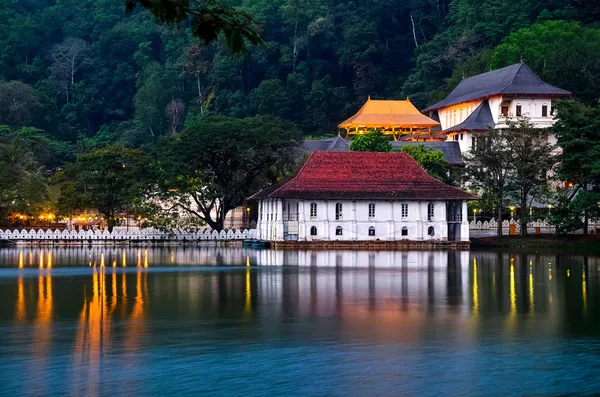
pixel 326 222
pixel 301 222
pixel 391 221
pixel 279 222
pixel 464 225
pixel 420 221
pixel 353 227
pixel 259 223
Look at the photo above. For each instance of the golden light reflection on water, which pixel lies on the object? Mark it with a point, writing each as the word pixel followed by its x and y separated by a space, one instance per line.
pixel 531 296
pixel 248 306
pixel 21 260
pixel 584 290
pixel 93 338
pixel 20 312
pixel 475 290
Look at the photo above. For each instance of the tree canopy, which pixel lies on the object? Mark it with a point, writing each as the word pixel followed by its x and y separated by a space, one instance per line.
pixel 372 141
pixel 217 162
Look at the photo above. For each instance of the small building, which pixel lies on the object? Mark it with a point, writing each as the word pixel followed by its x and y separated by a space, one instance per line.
pixel 494 98
pixel 362 196
pixel 400 119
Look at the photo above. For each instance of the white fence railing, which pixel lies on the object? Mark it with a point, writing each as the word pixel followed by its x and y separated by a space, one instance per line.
pixel 540 226
pixel 120 235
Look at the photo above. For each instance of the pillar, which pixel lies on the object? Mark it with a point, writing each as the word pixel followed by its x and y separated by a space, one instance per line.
pixel 391 231
pixel 301 222
pixel 326 222
pixel 464 225
pixel 279 220
pixel 259 223
pixel 353 226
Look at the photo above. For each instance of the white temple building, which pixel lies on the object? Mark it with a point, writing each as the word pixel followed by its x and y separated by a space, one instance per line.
pixel 491 99
pixel 362 196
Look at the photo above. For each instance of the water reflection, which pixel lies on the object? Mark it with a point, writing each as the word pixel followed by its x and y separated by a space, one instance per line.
pixel 163 304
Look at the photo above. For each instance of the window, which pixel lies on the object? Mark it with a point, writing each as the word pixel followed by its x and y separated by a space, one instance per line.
pixel 504 110
pixel 313 210
pixel 338 231
pixel 430 231
pixel 371 231
pixel 313 231
pixel 430 212
pixel 455 137
pixel 338 211
pixel 461 137
pixel 371 211
pixel 404 211
pixel 544 110
pixel 519 111
pixel 405 231
pixel 473 142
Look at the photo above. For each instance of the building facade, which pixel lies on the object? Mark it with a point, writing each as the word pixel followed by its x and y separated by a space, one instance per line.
pixel 492 99
pixel 359 196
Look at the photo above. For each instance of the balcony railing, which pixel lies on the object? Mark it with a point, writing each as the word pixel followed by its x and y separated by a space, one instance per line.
pixel 290 216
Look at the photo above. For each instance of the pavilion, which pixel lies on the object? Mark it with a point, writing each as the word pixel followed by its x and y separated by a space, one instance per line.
pixel 400 119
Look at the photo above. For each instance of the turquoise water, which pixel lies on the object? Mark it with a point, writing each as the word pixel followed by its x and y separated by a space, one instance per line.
pixel 218 322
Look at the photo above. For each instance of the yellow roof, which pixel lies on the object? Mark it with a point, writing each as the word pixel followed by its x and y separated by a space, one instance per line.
pixel 384 114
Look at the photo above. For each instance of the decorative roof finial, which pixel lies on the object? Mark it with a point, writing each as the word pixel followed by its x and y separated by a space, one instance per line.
pixel 521 58
pixel 369 97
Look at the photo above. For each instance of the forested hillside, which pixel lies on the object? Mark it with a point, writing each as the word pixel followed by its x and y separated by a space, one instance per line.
pixel 89 74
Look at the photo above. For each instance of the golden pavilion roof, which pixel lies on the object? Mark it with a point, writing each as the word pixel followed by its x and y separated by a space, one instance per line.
pixel 386 114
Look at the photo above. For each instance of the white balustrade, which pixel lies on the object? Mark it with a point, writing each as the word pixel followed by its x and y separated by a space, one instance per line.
pixel 133 235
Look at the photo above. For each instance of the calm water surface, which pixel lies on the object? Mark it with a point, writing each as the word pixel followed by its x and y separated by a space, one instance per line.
pixel 240 322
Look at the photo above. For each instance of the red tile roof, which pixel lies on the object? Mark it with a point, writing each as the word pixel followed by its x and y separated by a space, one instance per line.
pixel 362 176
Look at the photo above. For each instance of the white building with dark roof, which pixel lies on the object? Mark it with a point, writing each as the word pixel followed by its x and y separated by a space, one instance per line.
pixel 494 98
pixel 362 196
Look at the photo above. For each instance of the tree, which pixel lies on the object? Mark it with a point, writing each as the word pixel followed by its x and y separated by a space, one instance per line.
pixel 68 57
pixel 22 186
pixel 217 162
pixel 431 160
pixel 578 134
pixel 209 19
pixel 372 141
pixel 197 65
pixel 488 167
pixel 19 104
pixel 175 112
pixel 531 159
pixel 108 180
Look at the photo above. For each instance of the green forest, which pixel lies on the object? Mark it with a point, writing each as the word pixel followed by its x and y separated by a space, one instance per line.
pixel 81 76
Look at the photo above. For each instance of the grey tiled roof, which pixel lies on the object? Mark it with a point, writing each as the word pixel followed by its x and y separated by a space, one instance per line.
pixel 335 144
pixel 480 120
pixel 451 149
pixel 517 79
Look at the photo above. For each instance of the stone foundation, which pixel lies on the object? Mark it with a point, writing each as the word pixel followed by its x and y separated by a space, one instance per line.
pixel 399 245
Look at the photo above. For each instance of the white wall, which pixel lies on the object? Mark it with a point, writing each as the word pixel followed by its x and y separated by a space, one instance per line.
pixel 355 221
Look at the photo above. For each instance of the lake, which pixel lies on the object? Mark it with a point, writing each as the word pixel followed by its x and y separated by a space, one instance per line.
pixel 217 321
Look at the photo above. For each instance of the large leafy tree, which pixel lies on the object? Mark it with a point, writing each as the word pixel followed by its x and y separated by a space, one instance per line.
pixel 578 134
pixel 431 160
pixel 488 167
pixel 109 180
pixel 22 187
pixel 372 141
pixel 531 161
pixel 217 162
pixel 209 18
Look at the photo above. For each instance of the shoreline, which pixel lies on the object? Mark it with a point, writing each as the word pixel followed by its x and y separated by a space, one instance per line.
pixel 589 243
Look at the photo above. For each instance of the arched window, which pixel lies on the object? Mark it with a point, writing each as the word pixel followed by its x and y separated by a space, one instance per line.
pixel 313 231
pixel 405 231
pixel 371 231
pixel 371 211
pixel 430 231
pixel 338 231
pixel 338 211
pixel 313 210
pixel 430 212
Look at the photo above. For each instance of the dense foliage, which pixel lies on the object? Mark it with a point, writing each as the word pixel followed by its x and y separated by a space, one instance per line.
pixel 372 141
pixel 81 76
pixel 217 162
